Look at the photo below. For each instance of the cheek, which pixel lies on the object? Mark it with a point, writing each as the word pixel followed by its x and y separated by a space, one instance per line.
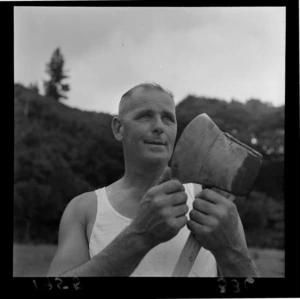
pixel 134 132
pixel 172 135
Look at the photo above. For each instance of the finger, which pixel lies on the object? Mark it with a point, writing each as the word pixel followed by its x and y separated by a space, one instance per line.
pixel 181 210
pixel 181 221
pixel 166 176
pixel 201 218
pixel 177 198
pixel 172 186
pixel 193 226
pixel 203 206
pixel 212 196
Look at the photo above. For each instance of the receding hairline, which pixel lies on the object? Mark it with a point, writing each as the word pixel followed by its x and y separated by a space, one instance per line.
pixel 143 86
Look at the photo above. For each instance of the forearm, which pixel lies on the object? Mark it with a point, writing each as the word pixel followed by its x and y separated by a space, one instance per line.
pixel 119 258
pixel 236 264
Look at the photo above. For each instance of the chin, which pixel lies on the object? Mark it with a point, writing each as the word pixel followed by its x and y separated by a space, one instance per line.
pixel 157 159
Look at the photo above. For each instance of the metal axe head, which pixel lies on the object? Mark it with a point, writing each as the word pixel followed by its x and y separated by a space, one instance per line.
pixel 207 156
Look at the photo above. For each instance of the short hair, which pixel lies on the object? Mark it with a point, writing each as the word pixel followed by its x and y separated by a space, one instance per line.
pixel 146 86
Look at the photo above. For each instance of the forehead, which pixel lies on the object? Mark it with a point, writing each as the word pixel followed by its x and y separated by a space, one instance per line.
pixel 148 99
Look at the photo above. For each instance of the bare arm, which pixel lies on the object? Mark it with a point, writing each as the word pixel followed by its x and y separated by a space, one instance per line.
pixel 160 217
pixel 119 258
pixel 236 264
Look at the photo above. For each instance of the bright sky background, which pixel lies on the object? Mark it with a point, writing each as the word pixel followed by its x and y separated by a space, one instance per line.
pixel 231 52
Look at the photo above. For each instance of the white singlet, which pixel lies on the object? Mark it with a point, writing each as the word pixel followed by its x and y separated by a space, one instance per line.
pixel 159 261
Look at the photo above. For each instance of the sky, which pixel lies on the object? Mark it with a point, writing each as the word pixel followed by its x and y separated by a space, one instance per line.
pixel 220 52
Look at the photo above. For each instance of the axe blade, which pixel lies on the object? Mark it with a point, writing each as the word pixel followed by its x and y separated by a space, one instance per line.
pixel 205 155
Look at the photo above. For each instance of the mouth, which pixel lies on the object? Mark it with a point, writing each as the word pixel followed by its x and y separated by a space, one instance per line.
pixel 155 142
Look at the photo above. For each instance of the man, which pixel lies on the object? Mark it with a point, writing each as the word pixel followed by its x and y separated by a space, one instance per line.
pixel 138 225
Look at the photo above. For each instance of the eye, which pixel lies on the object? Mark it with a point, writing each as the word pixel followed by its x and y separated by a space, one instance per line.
pixel 146 115
pixel 169 118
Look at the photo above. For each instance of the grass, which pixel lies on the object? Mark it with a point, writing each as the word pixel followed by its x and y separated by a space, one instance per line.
pixel 34 260
pixel 270 262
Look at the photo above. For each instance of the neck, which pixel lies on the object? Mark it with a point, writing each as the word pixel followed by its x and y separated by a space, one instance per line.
pixel 132 187
pixel 141 179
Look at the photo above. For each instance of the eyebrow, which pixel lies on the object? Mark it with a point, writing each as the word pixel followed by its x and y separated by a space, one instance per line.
pixel 169 114
pixel 164 112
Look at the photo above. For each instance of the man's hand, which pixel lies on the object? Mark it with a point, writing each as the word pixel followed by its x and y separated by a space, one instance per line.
pixel 162 211
pixel 216 224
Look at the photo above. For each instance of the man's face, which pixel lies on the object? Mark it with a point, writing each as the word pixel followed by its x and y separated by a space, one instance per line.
pixel 149 126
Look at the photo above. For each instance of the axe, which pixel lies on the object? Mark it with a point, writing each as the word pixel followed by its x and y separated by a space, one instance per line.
pixel 205 155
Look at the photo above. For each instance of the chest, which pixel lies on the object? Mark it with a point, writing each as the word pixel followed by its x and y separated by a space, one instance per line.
pixel 119 202
pixel 124 202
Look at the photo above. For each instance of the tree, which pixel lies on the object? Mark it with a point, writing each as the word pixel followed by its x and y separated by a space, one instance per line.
pixel 54 88
pixel 34 87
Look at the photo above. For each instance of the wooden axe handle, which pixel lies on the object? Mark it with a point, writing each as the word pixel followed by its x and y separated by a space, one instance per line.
pixel 191 249
pixel 187 257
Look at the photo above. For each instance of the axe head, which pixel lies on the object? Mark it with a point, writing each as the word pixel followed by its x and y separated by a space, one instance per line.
pixel 205 155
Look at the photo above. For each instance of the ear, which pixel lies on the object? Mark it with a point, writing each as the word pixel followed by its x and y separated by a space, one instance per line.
pixel 117 128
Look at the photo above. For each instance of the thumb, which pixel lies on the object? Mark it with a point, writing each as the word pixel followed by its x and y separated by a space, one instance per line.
pixel 166 176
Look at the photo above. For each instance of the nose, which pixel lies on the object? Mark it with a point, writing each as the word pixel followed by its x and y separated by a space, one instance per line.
pixel 158 125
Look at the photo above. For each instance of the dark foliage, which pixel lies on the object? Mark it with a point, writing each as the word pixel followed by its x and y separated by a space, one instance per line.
pixel 261 126
pixel 61 152
pixel 34 87
pixel 257 124
pixel 54 87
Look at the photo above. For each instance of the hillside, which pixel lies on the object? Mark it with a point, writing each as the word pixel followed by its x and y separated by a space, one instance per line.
pixel 257 124
pixel 244 121
pixel 61 152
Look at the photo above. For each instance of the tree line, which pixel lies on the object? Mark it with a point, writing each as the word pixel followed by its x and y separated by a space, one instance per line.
pixel 61 152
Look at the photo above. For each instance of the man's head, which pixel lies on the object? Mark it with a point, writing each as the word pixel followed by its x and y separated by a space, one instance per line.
pixel 146 124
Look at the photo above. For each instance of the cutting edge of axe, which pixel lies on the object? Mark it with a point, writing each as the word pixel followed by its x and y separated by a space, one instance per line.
pixel 214 156
pixel 205 155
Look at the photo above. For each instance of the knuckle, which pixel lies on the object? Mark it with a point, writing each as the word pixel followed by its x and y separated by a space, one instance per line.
pixel 150 193
pixel 171 223
pixel 230 207
pixel 207 230
pixel 178 223
pixel 165 213
pixel 205 192
pixel 177 184
pixel 188 224
pixel 222 213
pixel 175 230
pixel 185 208
pixel 182 222
pixel 182 197
pixel 157 203
pixel 196 203
pixel 185 220
pixel 215 223
pixel 191 225
pixel 185 197
pixel 193 214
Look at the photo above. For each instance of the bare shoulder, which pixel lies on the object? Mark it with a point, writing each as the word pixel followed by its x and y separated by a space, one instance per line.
pixel 79 210
pixel 77 216
pixel 72 249
pixel 83 205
